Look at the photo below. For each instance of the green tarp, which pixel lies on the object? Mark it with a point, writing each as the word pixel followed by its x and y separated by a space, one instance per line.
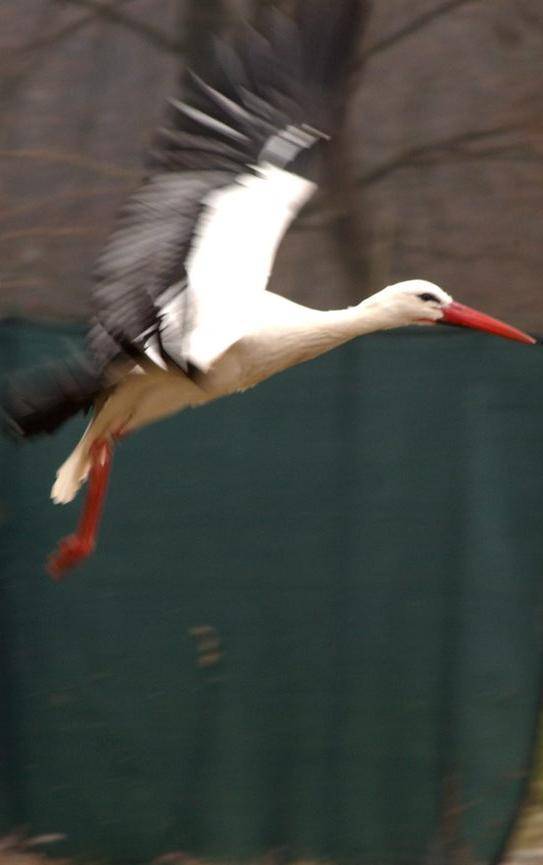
pixel 312 625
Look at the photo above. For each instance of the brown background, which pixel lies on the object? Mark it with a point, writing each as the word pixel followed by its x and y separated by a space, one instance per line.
pixel 439 169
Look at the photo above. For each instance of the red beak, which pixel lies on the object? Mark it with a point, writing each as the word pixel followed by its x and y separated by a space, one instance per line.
pixel 464 316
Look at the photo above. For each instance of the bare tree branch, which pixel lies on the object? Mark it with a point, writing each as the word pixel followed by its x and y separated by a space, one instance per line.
pixel 494 253
pixel 74 159
pixel 112 13
pixel 457 145
pixel 79 195
pixel 62 32
pixel 46 231
pixel 414 26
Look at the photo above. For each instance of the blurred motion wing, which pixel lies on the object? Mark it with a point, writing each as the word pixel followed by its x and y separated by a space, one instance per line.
pixel 228 172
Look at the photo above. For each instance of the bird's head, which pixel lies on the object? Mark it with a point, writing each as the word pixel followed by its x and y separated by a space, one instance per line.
pixel 420 302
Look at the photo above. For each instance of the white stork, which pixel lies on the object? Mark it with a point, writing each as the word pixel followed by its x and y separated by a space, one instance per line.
pixel 183 316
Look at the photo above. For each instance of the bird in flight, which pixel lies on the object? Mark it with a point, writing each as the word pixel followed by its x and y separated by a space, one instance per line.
pixel 182 311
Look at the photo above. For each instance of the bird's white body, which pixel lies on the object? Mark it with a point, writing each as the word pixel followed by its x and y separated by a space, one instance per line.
pixel 236 333
pixel 278 334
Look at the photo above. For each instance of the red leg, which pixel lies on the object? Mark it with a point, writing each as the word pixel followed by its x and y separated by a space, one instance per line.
pixel 77 547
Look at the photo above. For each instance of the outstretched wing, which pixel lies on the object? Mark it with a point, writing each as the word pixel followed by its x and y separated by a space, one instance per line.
pixel 228 172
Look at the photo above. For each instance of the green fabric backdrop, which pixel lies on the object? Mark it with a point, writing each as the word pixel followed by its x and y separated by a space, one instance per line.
pixel 313 623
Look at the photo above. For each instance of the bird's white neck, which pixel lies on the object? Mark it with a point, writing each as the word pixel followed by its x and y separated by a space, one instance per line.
pixel 286 334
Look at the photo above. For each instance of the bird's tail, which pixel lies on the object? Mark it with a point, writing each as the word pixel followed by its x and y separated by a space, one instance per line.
pixel 40 400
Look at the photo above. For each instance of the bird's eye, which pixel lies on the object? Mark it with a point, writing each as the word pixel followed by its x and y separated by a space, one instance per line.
pixel 426 296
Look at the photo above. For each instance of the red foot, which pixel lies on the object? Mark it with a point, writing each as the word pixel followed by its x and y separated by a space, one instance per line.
pixel 77 547
pixel 70 552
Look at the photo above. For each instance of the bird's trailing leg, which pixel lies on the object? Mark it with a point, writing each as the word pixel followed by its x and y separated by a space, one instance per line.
pixel 77 547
